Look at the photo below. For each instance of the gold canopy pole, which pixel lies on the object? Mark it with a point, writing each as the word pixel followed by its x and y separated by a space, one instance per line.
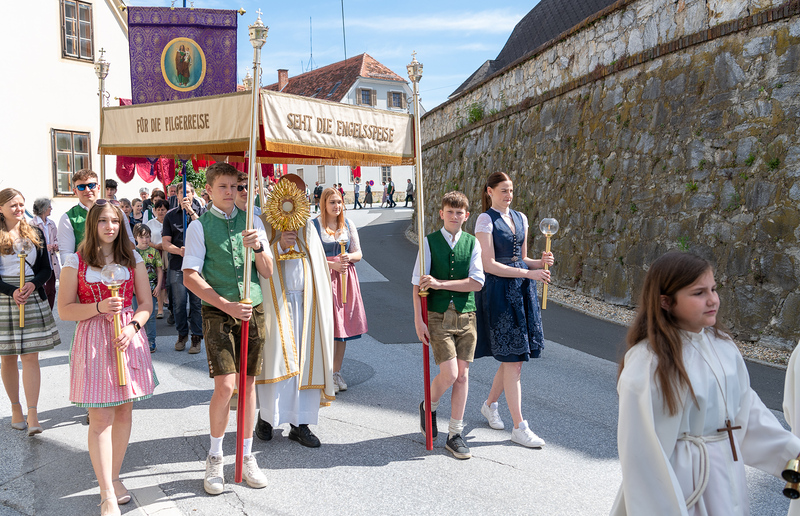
pixel 258 36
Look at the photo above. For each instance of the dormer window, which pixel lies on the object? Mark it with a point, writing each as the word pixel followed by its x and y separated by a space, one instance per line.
pixel 335 87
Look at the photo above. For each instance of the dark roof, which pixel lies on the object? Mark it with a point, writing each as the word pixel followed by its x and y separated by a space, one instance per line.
pixel 332 82
pixel 545 22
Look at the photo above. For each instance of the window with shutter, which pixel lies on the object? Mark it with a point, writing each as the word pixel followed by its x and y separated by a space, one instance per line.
pixel 321 174
pixel 70 150
pixel 373 98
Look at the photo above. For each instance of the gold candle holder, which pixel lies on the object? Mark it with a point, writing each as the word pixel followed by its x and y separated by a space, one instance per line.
pixel 113 276
pixel 548 227
pixel 23 247
pixel 344 275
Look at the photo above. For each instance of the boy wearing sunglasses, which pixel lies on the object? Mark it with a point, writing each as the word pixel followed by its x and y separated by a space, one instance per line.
pixel 86 188
pixel 241 195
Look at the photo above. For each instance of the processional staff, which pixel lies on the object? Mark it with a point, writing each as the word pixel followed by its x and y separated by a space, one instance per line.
pixel 415 74
pixel 258 36
pixel 23 247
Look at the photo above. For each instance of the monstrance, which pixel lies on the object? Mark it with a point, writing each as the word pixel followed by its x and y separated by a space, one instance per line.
pixel 287 209
pixel 23 247
pixel 549 227
pixel 113 276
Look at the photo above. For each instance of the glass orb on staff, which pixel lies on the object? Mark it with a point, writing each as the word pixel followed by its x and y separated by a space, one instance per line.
pixel 548 227
pixel 23 247
pixel 113 276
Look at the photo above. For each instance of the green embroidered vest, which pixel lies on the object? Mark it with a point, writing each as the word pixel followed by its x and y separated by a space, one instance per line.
pixel 447 264
pixel 223 268
pixel 77 217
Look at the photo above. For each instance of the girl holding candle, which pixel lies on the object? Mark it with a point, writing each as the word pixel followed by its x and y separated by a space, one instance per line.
pixel 688 419
pixel 94 379
pixel 349 317
pixel 39 332
pixel 508 315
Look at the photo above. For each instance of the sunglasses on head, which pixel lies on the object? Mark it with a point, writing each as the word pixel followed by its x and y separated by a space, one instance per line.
pixel 241 188
pixel 103 202
pixel 90 186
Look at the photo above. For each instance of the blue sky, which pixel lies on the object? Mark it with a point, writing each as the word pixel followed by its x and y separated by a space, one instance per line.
pixel 452 39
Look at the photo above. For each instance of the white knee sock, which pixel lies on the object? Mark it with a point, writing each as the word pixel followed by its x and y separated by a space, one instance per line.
pixel 247 447
pixel 434 405
pixel 216 446
pixel 456 427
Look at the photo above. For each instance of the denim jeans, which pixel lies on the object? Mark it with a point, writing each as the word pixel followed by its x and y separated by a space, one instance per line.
pixel 180 293
pixel 150 327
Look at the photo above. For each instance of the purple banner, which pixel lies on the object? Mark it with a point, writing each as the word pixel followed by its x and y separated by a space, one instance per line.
pixel 181 53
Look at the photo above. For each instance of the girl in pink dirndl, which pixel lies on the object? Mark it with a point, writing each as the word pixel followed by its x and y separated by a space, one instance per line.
pixel 349 317
pixel 94 379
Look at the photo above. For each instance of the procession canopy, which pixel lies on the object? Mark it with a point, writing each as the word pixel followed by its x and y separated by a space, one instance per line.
pixel 320 131
pixel 218 124
pixel 294 129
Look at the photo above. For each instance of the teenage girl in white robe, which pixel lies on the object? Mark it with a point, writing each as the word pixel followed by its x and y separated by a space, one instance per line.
pixel 681 380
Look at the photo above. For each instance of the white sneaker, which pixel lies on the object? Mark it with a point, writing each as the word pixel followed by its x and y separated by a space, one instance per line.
pixel 214 481
pixel 524 436
pixel 492 415
pixel 339 381
pixel 252 474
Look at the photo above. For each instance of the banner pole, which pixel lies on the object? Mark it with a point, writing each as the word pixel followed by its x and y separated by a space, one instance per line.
pixel 258 36
pixel 415 74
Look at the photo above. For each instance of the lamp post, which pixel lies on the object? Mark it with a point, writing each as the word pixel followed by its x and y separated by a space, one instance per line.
pixel 258 36
pixel 415 74
pixel 101 67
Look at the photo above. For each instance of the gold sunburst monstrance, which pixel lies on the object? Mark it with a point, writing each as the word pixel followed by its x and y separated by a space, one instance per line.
pixel 287 209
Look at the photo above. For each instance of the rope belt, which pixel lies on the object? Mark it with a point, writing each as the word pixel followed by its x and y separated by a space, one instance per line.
pixel 700 442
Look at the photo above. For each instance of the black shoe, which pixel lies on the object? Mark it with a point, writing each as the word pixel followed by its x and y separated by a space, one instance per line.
pixel 263 429
pixel 171 318
pixel 456 446
pixel 435 431
pixel 303 435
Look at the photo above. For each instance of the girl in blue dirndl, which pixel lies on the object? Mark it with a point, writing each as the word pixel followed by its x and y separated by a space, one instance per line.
pixel 508 315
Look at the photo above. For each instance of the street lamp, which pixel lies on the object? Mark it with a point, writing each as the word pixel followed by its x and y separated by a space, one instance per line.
pixel 101 67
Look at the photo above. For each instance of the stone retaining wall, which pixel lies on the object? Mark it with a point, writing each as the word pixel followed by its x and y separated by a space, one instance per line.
pixel 696 147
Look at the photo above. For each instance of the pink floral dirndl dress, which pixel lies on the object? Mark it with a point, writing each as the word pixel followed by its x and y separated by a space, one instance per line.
pixel 94 381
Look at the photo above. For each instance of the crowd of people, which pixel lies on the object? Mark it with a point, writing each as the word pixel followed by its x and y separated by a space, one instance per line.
pixel 688 418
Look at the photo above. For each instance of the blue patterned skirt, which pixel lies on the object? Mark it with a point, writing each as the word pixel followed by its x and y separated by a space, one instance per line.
pixel 509 319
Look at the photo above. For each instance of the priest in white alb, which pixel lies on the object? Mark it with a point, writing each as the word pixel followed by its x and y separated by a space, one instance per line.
pixel 297 374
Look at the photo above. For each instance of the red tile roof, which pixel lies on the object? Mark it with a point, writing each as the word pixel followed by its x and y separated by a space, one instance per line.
pixel 332 82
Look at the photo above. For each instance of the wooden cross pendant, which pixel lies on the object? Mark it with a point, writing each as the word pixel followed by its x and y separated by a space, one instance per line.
pixel 728 428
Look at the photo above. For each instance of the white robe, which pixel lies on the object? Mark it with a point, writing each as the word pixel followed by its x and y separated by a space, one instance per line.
pixel 297 373
pixel 791 407
pixel 659 468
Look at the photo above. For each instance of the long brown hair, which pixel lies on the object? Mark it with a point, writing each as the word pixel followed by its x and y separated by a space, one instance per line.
pixel 667 275
pixel 90 247
pixel 323 201
pixel 25 229
pixel 493 180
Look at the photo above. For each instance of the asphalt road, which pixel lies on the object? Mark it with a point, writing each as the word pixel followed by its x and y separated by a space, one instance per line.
pixel 373 459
